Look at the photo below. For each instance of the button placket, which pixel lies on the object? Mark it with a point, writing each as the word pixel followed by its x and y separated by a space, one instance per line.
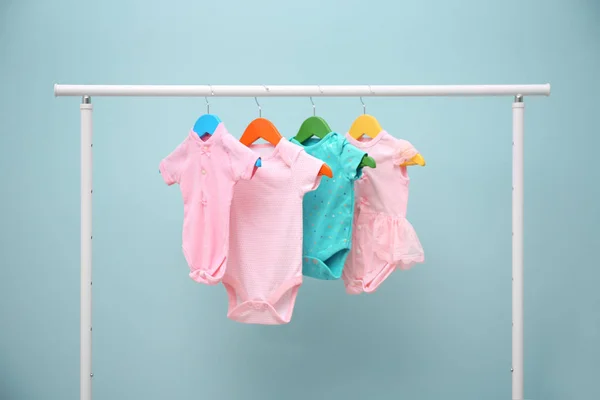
pixel 205 152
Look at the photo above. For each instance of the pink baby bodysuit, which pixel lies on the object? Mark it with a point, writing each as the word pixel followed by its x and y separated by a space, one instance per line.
pixel 382 237
pixel 265 253
pixel 206 171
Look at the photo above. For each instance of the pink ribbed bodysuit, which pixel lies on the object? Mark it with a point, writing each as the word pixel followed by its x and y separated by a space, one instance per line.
pixel 265 253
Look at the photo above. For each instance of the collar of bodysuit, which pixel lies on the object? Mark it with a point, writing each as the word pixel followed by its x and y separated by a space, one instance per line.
pixel 214 138
pixel 366 143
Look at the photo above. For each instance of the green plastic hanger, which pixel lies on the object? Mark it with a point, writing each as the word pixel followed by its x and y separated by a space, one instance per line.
pixel 367 161
pixel 317 126
pixel 312 126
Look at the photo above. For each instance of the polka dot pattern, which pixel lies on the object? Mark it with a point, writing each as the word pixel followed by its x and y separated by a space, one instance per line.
pixel 328 212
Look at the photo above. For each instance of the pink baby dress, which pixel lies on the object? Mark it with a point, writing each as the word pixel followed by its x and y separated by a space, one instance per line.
pixel 382 237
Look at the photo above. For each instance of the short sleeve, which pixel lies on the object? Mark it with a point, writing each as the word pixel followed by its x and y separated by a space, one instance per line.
pixel 350 160
pixel 242 159
pixel 404 152
pixel 171 166
pixel 306 171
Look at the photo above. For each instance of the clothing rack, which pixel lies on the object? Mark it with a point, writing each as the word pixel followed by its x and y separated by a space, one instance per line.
pixel 518 108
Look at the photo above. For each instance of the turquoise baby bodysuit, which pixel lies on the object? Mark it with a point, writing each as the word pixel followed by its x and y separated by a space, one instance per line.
pixel 328 211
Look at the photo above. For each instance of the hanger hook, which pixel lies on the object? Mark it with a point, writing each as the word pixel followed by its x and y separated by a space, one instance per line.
pixel 313 103
pixel 206 98
pixel 259 107
pixel 363 103
pixel 256 100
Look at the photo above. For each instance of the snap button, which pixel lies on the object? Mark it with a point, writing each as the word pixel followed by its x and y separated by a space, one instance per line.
pixel 203 172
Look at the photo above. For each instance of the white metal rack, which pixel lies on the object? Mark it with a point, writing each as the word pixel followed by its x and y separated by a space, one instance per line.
pixel 518 108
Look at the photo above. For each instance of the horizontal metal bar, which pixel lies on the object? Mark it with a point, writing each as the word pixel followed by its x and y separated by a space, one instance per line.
pixel 301 90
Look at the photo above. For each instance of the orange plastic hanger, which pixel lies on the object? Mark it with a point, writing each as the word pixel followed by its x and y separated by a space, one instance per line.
pixel 262 128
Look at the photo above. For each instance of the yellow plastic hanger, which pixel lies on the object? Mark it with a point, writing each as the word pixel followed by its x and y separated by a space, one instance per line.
pixel 365 125
pixel 368 125
pixel 416 160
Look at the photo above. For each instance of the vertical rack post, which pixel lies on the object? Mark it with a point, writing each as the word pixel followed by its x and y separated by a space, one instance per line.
pixel 85 367
pixel 518 109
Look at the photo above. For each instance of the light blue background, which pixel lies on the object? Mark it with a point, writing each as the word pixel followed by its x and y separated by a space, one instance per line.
pixel 440 331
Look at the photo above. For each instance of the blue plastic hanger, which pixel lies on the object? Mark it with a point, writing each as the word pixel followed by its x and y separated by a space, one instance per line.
pixel 207 124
